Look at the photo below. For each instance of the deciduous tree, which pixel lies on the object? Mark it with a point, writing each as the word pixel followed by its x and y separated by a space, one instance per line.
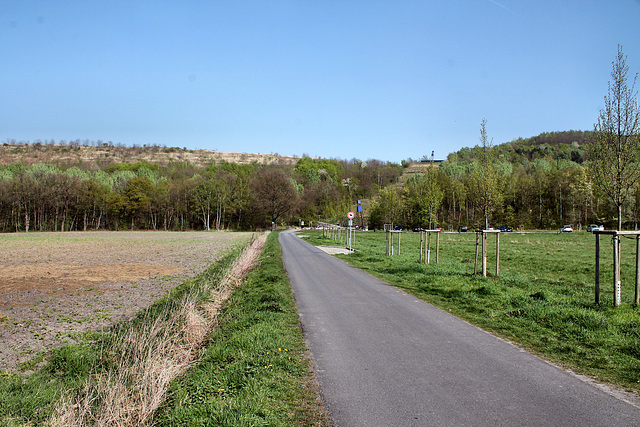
pixel 387 209
pixel 614 153
pixel 424 197
pixel 486 176
pixel 275 195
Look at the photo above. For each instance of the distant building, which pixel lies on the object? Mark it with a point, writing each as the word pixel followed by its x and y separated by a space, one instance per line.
pixel 430 159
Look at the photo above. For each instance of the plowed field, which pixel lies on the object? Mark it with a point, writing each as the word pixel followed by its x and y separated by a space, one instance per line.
pixel 56 286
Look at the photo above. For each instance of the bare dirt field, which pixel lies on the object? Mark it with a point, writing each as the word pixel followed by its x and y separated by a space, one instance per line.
pixel 56 286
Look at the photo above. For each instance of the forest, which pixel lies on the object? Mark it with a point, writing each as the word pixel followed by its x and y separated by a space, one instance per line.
pixel 537 183
pixel 113 194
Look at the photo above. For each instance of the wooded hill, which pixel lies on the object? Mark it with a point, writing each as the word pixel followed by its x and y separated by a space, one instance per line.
pixel 93 185
pixel 537 182
pixel 567 145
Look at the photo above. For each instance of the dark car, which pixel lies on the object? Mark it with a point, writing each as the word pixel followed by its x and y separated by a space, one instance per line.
pixel 417 229
pixel 398 227
pixel 505 229
pixel 462 229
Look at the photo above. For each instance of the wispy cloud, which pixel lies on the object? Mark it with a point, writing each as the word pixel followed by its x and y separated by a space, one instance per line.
pixel 506 8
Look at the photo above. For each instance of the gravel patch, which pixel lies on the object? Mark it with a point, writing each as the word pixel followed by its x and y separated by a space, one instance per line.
pixel 333 250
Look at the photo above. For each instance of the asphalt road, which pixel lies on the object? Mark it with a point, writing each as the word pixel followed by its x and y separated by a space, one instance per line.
pixel 385 358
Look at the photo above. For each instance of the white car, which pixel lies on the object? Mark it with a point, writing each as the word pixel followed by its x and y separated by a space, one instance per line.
pixel 566 229
pixel 593 227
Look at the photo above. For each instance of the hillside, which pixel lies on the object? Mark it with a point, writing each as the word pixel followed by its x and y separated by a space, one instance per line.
pixel 56 153
pixel 569 145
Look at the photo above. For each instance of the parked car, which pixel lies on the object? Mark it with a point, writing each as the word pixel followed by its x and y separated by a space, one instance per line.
pixel 437 227
pixel 567 229
pixel 417 229
pixel 398 228
pixel 462 229
pixel 593 227
pixel 505 229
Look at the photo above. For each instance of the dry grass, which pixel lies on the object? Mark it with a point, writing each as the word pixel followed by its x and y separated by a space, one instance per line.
pixel 150 357
pixel 55 153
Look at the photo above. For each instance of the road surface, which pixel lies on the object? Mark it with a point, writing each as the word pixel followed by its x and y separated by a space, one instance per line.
pixel 385 358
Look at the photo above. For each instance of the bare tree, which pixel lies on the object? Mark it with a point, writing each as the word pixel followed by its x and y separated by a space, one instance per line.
pixel 275 195
pixel 614 153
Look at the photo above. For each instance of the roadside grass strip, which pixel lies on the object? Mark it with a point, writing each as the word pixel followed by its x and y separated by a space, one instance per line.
pixel 149 357
pixel 121 376
pixel 112 377
pixel 543 299
pixel 255 370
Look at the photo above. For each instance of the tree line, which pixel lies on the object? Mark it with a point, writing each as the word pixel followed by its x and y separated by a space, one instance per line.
pixel 181 196
pixel 539 183
pixel 511 184
pixel 520 183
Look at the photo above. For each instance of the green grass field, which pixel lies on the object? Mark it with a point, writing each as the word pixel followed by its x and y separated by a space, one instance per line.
pixel 543 299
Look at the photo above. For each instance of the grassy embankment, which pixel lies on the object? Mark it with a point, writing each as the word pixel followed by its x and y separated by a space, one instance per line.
pixel 543 299
pixel 248 369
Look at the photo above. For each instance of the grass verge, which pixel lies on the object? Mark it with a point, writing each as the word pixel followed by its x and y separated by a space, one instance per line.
pixel 542 301
pixel 254 371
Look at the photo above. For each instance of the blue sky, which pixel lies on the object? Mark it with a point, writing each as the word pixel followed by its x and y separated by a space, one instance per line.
pixel 340 79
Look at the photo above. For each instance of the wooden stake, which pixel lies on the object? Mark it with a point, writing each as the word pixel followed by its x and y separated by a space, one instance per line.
pixel 475 266
pixel 597 268
pixel 636 297
pixel 616 271
pixel 484 255
pixel 387 242
pixel 497 254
